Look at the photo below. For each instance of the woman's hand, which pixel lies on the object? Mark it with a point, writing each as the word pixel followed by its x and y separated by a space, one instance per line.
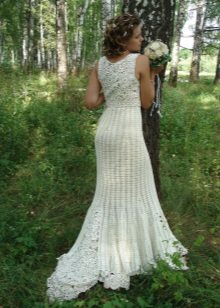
pixel 156 70
pixel 99 101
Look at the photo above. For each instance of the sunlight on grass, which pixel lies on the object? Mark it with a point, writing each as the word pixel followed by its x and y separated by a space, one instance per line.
pixel 43 81
pixel 207 100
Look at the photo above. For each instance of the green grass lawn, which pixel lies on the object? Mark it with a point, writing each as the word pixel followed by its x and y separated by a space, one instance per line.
pixel 47 182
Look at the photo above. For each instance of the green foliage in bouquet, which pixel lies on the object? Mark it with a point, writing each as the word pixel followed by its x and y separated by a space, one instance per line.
pixel 160 61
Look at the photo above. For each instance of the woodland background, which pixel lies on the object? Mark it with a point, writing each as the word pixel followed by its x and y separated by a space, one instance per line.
pixel 47 154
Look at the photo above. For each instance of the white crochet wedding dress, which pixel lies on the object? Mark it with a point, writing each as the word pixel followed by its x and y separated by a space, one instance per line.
pixel 125 231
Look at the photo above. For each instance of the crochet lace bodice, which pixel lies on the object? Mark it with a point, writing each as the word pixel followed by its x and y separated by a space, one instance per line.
pixel 120 86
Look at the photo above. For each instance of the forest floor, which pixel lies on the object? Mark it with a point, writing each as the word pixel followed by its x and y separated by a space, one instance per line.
pixel 47 182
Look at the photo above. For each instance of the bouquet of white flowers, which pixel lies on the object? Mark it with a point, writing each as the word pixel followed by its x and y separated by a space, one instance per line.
pixel 157 52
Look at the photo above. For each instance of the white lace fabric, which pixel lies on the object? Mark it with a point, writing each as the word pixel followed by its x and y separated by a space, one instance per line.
pixel 125 231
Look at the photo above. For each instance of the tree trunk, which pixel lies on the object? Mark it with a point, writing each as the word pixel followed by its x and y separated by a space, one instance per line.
pixel 107 12
pixel 180 19
pixel 30 34
pixel 198 40
pixel 113 8
pixel 12 58
pixel 217 73
pixel 67 41
pixel 98 41
pixel 39 63
pixel 24 45
pixel 61 44
pixel 157 18
pixel 79 37
pixel 42 49
pixel 1 43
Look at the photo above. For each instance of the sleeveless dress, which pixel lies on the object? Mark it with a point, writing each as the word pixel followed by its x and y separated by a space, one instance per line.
pixel 124 232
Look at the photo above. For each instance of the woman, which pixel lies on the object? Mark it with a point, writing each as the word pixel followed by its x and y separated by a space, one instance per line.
pixel 125 231
pixel 131 42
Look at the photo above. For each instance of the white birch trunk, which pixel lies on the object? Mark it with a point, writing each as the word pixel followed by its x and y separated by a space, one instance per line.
pixel 107 12
pixel 39 63
pixel 198 40
pixel 61 44
pixel 24 45
pixel 30 41
pixel 181 14
pixel 79 37
pixel 12 58
pixel 42 49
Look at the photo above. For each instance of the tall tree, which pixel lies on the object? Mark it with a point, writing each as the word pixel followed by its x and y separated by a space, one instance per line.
pixel 61 42
pixel 1 41
pixel 157 18
pixel 79 35
pixel 42 38
pixel 198 40
pixel 217 73
pixel 211 36
pixel 107 11
pixel 179 22
pixel 29 34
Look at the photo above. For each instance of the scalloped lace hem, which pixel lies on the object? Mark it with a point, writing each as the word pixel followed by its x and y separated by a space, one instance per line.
pixel 78 270
pixel 59 290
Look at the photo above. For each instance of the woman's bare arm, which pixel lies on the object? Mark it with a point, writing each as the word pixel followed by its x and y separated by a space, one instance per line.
pixel 147 91
pixel 93 97
pixel 147 75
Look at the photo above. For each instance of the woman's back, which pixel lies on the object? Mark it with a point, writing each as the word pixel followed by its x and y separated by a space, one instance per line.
pixel 120 85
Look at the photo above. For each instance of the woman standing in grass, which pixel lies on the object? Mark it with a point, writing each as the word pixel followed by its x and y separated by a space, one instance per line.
pixel 125 231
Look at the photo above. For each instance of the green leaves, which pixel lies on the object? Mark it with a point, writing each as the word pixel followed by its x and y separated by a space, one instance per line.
pixel 199 241
pixel 160 61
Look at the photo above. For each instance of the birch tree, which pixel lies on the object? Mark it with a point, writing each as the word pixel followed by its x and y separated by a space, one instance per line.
pixel 79 35
pixel 30 34
pixel 198 40
pixel 25 38
pixel 1 41
pixel 61 43
pixel 212 34
pixel 217 73
pixel 107 11
pixel 179 22
pixel 42 41
pixel 157 18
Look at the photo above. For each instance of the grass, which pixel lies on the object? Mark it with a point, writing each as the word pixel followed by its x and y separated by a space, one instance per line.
pixel 48 180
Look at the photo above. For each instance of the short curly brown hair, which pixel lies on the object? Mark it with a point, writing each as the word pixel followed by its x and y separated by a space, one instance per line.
pixel 118 31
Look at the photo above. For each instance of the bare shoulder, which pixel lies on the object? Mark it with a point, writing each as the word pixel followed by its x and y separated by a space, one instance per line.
pixel 143 62
pixel 142 58
pixel 96 64
pixel 94 67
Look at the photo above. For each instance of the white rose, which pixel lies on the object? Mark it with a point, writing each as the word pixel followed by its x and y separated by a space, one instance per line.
pixel 166 50
pixel 158 53
pixel 152 55
pixel 155 45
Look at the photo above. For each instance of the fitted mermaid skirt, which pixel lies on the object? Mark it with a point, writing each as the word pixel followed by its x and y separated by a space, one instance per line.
pixel 125 231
